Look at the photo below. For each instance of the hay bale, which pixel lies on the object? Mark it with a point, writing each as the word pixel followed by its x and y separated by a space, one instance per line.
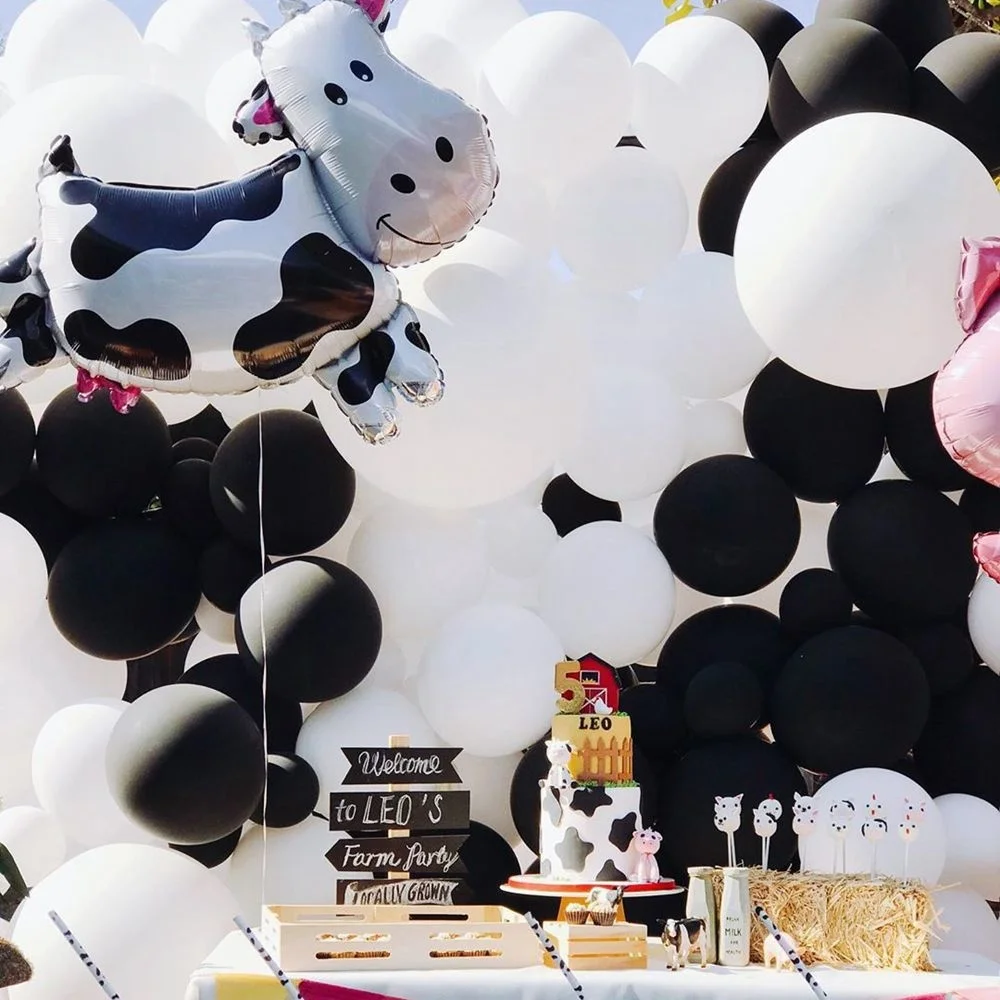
pixel 844 920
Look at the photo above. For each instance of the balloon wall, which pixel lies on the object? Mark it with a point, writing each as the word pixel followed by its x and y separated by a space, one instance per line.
pixel 689 427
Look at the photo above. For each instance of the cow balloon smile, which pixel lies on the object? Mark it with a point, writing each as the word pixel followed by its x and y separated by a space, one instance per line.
pixel 280 274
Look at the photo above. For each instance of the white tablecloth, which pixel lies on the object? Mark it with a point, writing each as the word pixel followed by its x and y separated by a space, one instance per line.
pixel 959 970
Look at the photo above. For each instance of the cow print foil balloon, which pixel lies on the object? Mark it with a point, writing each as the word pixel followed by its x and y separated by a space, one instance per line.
pixel 283 273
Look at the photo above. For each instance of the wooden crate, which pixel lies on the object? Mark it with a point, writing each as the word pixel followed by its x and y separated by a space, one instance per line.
pixel 329 938
pixel 587 946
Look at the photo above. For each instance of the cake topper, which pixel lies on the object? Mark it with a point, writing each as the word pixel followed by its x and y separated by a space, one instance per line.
pixel 588 686
pixel 728 813
pixel 559 754
pixel 646 843
pixel 874 828
pixel 804 817
pixel 841 819
pixel 765 825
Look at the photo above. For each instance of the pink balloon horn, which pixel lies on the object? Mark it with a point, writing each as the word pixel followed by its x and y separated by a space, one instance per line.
pixel 986 549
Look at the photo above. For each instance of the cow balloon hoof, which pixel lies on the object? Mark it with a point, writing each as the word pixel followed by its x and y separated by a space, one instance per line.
pixel 412 369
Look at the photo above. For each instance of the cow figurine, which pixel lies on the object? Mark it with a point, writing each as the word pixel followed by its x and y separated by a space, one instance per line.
pixel 804 815
pixel 280 274
pixel 646 844
pixel 559 754
pixel 680 938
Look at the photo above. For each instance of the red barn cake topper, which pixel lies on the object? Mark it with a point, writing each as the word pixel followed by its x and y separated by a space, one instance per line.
pixel 587 686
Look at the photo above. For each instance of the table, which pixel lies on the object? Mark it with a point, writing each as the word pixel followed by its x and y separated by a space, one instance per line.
pixel 960 970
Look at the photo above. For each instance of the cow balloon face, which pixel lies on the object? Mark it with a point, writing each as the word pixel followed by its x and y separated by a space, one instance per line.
pixel 407 168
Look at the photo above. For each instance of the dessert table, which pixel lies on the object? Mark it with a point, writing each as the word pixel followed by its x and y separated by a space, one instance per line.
pixel 231 973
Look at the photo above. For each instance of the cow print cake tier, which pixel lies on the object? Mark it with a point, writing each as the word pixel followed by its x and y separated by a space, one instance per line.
pixel 591 824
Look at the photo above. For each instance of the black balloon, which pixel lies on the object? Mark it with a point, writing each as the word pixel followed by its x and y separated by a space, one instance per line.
pixel 737 633
pixel 525 798
pixel 836 67
pixel 292 792
pixel 913 26
pixel 322 626
pixel 944 651
pixel 824 441
pixel 723 699
pixel 569 507
pixel 227 569
pixel 17 431
pixel 228 674
pixel 490 861
pixel 914 442
pixel 727 525
pixel 209 425
pixel 725 767
pixel 812 602
pixel 726 192
pixel 187 502
pixel 980 503
pixel 904 551
pixel 956 87
pixel 768 24
pixel 657 715
pixel 851 697
pixel 186 763
pixel 308 488
pixel 123 589
pixel 194 447
pixel 98 461
pixel 213 854
pixel 960 745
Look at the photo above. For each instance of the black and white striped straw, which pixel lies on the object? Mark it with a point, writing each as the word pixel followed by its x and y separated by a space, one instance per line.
pixel 553 953
pixel 793 956
pixel 84 956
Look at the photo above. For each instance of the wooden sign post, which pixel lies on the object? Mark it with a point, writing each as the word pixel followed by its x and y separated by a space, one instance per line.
pixel 406 828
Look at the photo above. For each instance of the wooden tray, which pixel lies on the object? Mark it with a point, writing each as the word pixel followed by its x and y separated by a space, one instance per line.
pixel 588 946
pixel 368 938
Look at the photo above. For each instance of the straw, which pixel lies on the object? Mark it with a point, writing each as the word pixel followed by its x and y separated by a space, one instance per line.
pixel 553 953
pixel 84 957
pixel 772 928
pixel 276 971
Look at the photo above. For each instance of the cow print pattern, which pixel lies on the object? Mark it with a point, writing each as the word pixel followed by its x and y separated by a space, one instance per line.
pixel 622 830
pixel 610 873
pixel 130 222
pixel 357 384
pixel 551 805
pixel 27 322
pixel 149 348
pixel 17 268
pixel 324 288
pixel 573 851
pixel 545 867
pixel 589 799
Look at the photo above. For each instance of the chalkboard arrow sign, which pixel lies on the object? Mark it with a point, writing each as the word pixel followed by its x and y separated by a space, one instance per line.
pixel 401 765
pixel 362 812
pixel 404 892
pixel 426 855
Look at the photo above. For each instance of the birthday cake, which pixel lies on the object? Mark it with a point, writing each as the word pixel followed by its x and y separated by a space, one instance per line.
pixel 591 823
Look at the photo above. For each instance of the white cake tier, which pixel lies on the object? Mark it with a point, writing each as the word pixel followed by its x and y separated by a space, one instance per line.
pixel 586 833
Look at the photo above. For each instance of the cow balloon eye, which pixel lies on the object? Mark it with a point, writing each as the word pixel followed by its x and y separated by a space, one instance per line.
pixel 335 93
pixel 445 150
pixel 361 71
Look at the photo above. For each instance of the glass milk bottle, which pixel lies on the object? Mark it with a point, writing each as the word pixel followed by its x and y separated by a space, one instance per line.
pixel 701 904
pixel 734 918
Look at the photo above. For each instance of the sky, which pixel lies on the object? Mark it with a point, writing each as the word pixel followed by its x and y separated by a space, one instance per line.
pixel 634 21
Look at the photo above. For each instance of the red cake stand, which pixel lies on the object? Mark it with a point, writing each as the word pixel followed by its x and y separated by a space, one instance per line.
pixel 568 892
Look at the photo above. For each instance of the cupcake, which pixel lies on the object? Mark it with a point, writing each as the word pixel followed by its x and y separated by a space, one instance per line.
pixel 576 913
pixel 603 915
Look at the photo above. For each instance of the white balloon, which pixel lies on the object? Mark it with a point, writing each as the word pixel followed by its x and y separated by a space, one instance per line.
pixel 215 623
pixel 421 565
pixel 35 841
pixel 520 539
pixel 231 84
pixel 471 25
pixel 176 407
pixel 485 680
pixel 857 288
pixel 24 580
pixel 205 647
pixel 967 923
pixel 715 427
pixel 366 717
pixel 113 897
pixel 55 40
pixel 6 101
pixel 984 621
pixel 621 221
pixel 70 777
pixel 200 35
pixel 927 853
pixel 106 120
pixel 700 90
pixel 488 781
pixel 631 433
pixel 972 836
pixel 557 89
pixel 390 667
pixel 437 59
pixel 40 391
pixel 607 590
pixel 485 307
pixel 237 408
pixel 695 331
pixel 521 210
pixel 41 674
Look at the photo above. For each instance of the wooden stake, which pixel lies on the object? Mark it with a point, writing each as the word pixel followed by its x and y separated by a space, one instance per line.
pixel 396 742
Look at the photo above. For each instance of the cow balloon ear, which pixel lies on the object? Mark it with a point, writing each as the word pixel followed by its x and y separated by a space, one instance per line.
pixel 292 8
pixel 257 33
